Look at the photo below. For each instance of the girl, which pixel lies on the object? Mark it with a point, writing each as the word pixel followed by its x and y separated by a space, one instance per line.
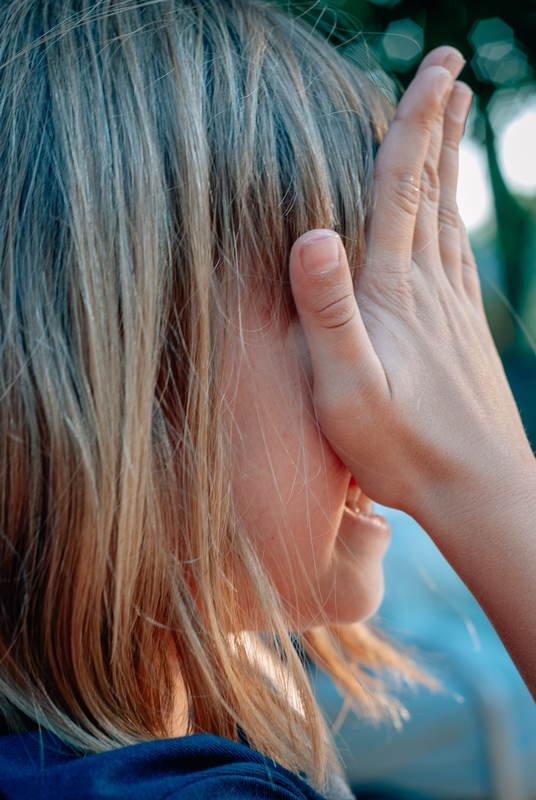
pixel 189 439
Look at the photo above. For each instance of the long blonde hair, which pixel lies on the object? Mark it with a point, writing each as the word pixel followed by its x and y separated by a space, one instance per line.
pixel 148 151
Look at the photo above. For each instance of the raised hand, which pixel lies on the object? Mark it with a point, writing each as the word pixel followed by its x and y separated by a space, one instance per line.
pixel 408 386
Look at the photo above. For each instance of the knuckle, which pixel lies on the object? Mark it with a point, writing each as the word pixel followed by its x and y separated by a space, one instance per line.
pixel 449 252
pixel 430 185
pixel 334 312
pixel 451 142
pixel 448 215
pixel 425 117
pixel 469 265
pixel 391 291
pixel 406 192
pixel 454 128
pixel 422 118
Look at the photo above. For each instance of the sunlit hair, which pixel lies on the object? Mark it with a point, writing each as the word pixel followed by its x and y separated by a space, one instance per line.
pixel 148 152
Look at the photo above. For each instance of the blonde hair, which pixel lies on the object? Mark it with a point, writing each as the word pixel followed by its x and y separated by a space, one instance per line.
pixel 148 151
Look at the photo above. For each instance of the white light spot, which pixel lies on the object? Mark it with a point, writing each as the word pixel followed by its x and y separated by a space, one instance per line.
pixel 517 153
pixel 474 188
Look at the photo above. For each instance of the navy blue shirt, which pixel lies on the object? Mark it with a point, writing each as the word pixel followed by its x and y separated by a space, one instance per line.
pixel 38 766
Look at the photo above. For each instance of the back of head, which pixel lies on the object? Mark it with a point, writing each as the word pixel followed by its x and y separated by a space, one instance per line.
pixel 157 159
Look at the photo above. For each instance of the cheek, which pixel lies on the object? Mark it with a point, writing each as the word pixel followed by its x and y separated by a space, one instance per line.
pixel 290 496
pixel 290 489
pixel 289 486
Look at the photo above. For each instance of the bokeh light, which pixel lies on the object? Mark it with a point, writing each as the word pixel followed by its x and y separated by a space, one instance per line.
pixel 517 152
pixel 475 198
pixel 512 113
pixel 498 59
pixel 403 44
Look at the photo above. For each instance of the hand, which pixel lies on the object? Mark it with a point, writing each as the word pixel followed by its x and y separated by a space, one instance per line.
pixel 408 386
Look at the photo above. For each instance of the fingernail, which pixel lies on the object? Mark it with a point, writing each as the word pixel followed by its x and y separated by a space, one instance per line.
pixel 320 256
pixel 454 63
pixel 460 101
pixel 444 82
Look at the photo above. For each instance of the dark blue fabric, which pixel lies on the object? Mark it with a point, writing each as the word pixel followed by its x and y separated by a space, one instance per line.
pixel 37 766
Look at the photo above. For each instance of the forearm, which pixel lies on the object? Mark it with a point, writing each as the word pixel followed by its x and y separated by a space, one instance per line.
pixel 487 532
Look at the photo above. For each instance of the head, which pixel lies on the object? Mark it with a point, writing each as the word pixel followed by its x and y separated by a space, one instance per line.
pixel 164 484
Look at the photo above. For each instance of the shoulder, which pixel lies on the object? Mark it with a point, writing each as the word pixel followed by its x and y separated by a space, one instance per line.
pixel 199 767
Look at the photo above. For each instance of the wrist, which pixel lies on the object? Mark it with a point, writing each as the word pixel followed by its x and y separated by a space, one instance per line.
pixel 474 488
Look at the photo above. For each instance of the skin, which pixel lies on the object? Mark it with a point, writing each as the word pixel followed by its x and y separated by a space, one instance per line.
pixel 293 487
pixel 314 531
pixel 408 353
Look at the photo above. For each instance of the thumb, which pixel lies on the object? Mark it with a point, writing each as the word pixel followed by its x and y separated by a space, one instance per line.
pixel 337 339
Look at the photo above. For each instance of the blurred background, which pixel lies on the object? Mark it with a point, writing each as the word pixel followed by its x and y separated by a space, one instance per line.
pixel 475 740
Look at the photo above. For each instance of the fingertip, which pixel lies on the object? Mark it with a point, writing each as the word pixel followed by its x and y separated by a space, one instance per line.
pixel 442 80
pixel 454 62
pixel 314 235
pixel 444 56
pixel 460 101
pixel 319 251
pixel 427 89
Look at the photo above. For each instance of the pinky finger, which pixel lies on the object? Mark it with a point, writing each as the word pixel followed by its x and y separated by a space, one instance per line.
pixel 471 281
